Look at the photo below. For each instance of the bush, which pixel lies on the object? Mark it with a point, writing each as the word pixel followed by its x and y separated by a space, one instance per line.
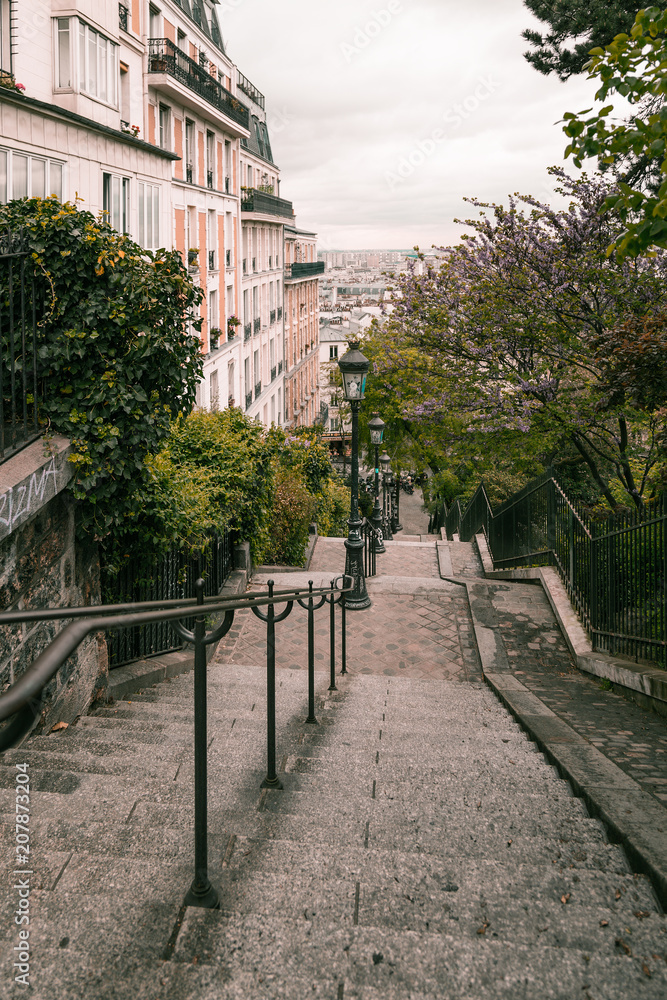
pixel 333 509
pixel 289 519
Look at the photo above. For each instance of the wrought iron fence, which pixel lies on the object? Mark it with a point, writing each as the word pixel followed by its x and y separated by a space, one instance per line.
pixel 21 303
pixel 615 572
pixel 171 577
pixel 371 542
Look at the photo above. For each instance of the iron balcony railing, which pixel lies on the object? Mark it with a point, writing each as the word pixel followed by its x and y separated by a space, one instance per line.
pixel 21 705
pixel 245 266
pixel 280 367
pixel 266 204
pixel 21 309
pixel 248 400
pixel 255 95
pixel 280 313
pixel 615 572
pixel 123 13
pixel 272 317
pixel 227 185
pixel 247 332
pixel 211 260
pixel 166 57
pixel 228 258
pixel 257 324
pixel 309 269
pixel 273 373
pixel 209 179
pixel 258 390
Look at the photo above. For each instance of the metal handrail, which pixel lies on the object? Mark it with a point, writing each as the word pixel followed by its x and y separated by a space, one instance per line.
pixel 20 702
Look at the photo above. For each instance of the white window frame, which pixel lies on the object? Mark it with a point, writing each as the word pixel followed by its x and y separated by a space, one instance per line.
pixel 82 36
pixel 122 185
pixel 51 167
pixel 148 225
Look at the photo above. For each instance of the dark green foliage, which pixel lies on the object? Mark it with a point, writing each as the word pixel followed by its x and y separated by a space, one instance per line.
pixel 598 21
pixel 118 361
pixel 292 510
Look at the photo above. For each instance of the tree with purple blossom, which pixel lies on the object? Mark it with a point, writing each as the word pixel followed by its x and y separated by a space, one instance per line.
pixel 497 353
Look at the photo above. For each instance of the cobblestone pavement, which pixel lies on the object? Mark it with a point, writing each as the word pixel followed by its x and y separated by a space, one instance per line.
pixel 412 515
pixel 634 739
pixel 400 558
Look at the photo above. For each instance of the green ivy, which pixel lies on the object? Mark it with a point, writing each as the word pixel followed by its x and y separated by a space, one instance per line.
pixel 119 359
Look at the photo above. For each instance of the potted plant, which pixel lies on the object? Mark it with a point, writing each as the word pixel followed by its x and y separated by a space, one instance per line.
pixel 193 257
pixel 215 337
pixel 9 83
pixel 232 323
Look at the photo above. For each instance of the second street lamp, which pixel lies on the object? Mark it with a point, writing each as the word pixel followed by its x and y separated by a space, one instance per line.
pixel 376 426
pixel 385 462
pixel 354 368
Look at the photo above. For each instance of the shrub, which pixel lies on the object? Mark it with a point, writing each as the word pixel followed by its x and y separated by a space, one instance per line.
pixel 290 516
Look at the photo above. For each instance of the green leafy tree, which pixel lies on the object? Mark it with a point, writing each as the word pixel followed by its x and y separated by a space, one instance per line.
pixel 575 27
pixel 635 66
pixel 118 360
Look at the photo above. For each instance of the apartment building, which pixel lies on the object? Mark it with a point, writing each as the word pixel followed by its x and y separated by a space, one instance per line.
pixel 135 109
pixel 302 334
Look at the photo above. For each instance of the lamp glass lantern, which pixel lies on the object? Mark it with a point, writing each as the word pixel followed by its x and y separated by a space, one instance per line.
pixel 385 462
pixel 354 369
pixel 376 427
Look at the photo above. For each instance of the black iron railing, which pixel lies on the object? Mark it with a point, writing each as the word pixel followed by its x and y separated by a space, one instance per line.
pixel 211 260
pixel 172 577
pixel 273 373
pixel 280 367
pixel 272 316
pixel 257 324
pixel 21 308
pixel 309 269
pixel 258 390
pixel 166 57
pixel 266 204
pixel 280 313
pixel 248 400
pixel 247 332
pixel 250 91
pixel 21 705
pixel 371 544
pixel 615 572
pixel 123 13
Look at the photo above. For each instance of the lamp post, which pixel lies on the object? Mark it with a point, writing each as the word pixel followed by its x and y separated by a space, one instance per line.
pixel 376 426
pixel 399 526
pixel 354 368
pixel 385 462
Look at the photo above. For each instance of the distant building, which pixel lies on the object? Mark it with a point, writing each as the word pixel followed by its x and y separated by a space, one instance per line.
pixel 302 272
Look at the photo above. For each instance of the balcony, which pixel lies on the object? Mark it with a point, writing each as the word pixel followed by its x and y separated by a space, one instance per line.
pixel 228 184
pixel 280 313
pixel 248 400
pixel 228 258
pixel 189 173
pixel 255 95
pixel 266 204
pixel 273 316
pixel 166 57
pixel 257 326
pixel 211 260
pixel 245 266
pixel 273 374
pixel 280 367
pixel 304 270
pixel 123 17
pixel 258 390
pixel 247 332
pixel 209 179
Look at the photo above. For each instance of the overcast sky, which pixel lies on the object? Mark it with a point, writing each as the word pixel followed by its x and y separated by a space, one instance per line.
pixel 384 115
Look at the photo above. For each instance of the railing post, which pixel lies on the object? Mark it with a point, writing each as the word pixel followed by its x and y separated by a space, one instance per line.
pixel 201 892
pixel 332 639
pixel 551 519
pixel 343 635
pixel 594 588
pixel 312 608
pixel 271 780
pixel 570 521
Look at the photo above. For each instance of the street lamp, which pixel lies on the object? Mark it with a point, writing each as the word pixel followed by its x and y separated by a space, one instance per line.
pixel 354 368
pixel 376 427
pixel 385 462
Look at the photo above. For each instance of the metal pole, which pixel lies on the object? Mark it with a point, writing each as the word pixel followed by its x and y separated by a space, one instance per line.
pixel 201 892
pixel 387 507
pixel 399 526
pixel 377 510
pixel 332 640
pixel 357 598
pixel 271 780
pixel 343 634
pixel 311 657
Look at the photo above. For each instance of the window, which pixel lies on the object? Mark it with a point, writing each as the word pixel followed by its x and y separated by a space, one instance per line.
pixel 333 353
pixel 210 159
pixel 181 40
pixel 5 37
pixel 93 56
pixel 116 201
pixel 155 25
pixel 165 127
pixel 213 312
pixel 190 146
pixel 24 176
pixel 215 391
pixel 148 206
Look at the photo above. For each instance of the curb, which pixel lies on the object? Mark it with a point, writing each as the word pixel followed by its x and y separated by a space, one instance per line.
pixel 633 817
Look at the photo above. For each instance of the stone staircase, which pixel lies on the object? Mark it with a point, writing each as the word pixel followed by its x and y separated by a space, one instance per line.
pixel 421 848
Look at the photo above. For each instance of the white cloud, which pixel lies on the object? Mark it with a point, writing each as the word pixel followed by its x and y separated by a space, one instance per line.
pixel 365 86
